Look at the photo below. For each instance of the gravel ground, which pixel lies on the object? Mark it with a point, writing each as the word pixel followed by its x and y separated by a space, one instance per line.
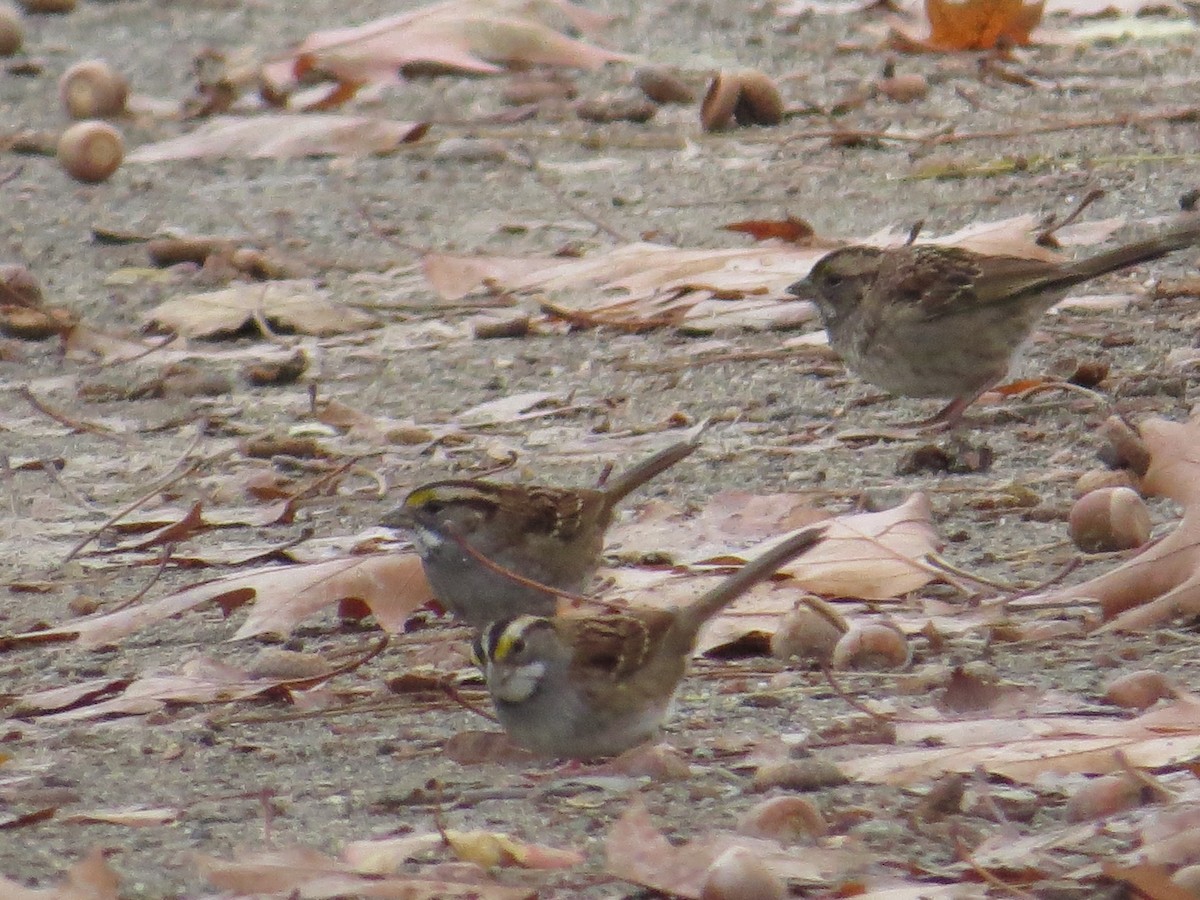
pixel 360 224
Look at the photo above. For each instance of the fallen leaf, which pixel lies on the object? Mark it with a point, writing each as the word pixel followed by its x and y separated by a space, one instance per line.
pixel 391 586
pixel 130 816
pixel 1028 748
pixel 644 286
pixel 283 136
pixel 791 230
pixel 293 306
pixel 636 851
pixel 200 680
pixel 469 36
pixel 89 879
pixel 302 872
pixel 662 286
pixel 956 25
pixel 490 849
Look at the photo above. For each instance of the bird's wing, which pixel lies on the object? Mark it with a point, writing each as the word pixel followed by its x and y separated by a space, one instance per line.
pixel 613 646
pixel 947 281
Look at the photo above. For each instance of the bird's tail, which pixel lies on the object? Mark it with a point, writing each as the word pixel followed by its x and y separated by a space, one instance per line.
pixel 633 478
pixel 1179 237
pixel 699 611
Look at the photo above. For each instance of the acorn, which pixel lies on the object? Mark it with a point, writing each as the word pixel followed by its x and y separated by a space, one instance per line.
pixel 1138 690
pixel 903 88
pixel 739 874
pixel 810 632
pixel 1108 795
pixel 19 287
pixel 91 151
pixel 1109 519
pixel 784 819
pixel 747 97
pixel 871 646
pixel 1094 479
pixel 92 89
pixel 12 32
pixel 662 85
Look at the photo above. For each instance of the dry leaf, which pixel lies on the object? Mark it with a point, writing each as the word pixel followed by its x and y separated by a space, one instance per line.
pixel 637 851
pixel 643 286
pixel 391 586
pixel 200 680
pixel 662 286
pixel 973 25
pixel 130 816
pixel 490 849
pixel 1028 748
pixel 457 36
pixel 301 872
pixel 791 229
pixel 89 879
pixel 283 137
pixel 293 306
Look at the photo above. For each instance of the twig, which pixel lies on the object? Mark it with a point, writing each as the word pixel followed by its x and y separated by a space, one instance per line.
pixel 145 498
pixel 1095 396
pixel 944 566
pixel 965 855
pixel 10 482
pixel 1178 114
pixel 50 470
pixel 852 701
pixel 162 567
pixel 381 484
pixel 455 695
pixel 1142 777
pixel 264 801
pixel 326 478
pixel 260 319
pixel 1070 566
pixel 1184 114
pixel 63 419
pixel 165 342
pixel 523 156
pixel 673 364
pixel 1046 236
pixel 457 536
pixel 980 779
pixel 587 319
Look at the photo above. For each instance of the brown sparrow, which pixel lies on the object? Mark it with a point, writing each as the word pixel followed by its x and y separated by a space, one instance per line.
pixel 933 321
pixel 586 686
pixel 552 537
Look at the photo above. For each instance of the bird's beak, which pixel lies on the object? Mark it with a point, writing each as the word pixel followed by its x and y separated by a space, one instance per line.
pixel 802 289
pixel 400 518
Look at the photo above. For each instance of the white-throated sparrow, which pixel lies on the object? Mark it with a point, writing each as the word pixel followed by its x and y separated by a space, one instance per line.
pixel 586 686
pixel 550 536
pixel 933 321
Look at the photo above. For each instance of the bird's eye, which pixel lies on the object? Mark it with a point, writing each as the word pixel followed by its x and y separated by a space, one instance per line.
pixel 517 646
pixel 433 507
pixel 832 279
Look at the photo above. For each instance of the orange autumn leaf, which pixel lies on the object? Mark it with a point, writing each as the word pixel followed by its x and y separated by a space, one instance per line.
pixel 980 24
pixel 791 229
